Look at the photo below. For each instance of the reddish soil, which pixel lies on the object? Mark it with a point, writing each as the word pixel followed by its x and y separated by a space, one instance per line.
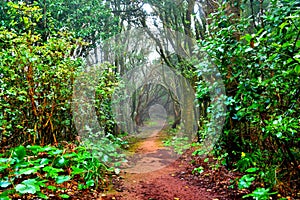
pixel 175 181
pixel 163 184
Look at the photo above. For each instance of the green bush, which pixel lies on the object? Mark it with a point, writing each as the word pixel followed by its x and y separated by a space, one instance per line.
pixel 36 80
pixel 260 70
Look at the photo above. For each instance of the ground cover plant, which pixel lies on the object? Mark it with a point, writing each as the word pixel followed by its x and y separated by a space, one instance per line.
pixel 48 171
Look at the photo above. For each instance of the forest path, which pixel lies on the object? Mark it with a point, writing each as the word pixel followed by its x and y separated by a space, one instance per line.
pixel 153 174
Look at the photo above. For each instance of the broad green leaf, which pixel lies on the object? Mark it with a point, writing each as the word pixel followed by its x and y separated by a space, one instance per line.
pixel 260 193
pixel 29 182
pixel 245 181
pixel 52 169
pixel 4 183
pixel 3 160
pixel 57 151
pixel 61 162
pixel 23 189
pixel 297 69
pixel 253 169
pixel 64 196
pixel 44 161
pixel 3 167
pixel 5 194
pixel 51 187
pixel 76 170
pixel 279 134
pixel 20 152
pixel 298 44
pixel 247 37
pixel 27 171
pixel 61 179
pixel 49 148
pixel 42 195
pixel 90 183
pixel 52 172
pixel 35 148
pixel 4 198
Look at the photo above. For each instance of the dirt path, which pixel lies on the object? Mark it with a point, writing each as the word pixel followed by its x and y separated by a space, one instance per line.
pixel 149 154
pixel 141 182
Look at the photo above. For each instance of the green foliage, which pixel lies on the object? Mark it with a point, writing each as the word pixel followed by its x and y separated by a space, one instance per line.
pixel 107 150
pixel 35 168
pixel 260 70
pixel 198 170
pixel 260 194
pixel 30 186
pixel 107 83
pixel 36 80
pixel 179 143
pixel 20 18
pixel 92 20
pixel 245 181
pixel 102 84
pixel 64 196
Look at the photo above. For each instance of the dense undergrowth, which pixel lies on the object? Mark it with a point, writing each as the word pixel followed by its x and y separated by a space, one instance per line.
pixel 260 69
pixel 46 171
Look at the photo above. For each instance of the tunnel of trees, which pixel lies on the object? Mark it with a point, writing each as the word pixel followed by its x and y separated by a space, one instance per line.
pixel 46 45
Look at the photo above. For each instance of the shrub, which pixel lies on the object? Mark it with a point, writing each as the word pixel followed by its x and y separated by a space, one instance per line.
pixel 36 81
pixel 260 70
